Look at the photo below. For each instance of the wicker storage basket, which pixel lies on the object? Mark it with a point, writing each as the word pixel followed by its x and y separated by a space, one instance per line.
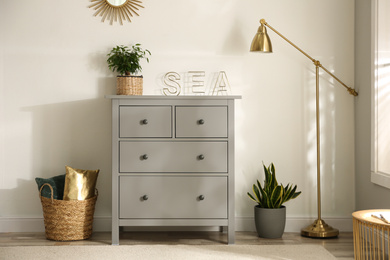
pixel 67 220
pixel 129 85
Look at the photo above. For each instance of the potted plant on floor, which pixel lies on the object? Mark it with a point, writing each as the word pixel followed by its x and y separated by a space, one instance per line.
pixel 270 214
pixel 126 61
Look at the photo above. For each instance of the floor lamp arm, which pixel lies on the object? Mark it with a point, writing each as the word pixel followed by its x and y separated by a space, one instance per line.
pixel 316 62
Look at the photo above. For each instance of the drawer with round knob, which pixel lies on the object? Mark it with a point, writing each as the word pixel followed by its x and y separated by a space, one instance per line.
pixel 201 121
pixel 145 121
pixel 179 156
pixel 172 197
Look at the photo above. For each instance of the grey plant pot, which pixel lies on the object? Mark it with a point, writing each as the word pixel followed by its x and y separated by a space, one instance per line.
pixel 270 223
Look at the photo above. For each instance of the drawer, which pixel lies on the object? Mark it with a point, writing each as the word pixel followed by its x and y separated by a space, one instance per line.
pixel 172 197
pixel 201 121
pixel 137 156
pixel 145 121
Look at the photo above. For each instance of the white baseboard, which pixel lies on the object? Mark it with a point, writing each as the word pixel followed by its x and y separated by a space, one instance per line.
pixel 18 224
pixel 101 224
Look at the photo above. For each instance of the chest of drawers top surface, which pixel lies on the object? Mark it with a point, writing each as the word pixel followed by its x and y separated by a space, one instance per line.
pixel 161 97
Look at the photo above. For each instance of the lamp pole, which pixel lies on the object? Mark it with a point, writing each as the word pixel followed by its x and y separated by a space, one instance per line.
pixel 318 140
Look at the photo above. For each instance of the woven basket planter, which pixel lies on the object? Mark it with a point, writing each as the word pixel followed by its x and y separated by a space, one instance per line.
pixel 129 85
pixel 67 220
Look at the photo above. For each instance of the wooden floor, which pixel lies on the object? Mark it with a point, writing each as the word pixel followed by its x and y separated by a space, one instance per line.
pixel 341 247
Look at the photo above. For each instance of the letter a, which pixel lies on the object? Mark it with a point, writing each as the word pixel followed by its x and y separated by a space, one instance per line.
pixel 222 85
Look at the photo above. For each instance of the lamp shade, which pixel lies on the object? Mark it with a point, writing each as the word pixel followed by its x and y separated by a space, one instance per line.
pixel 261 42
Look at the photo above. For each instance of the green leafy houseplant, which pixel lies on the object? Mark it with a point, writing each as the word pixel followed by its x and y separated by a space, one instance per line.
pixel 126 60
pixel 271 194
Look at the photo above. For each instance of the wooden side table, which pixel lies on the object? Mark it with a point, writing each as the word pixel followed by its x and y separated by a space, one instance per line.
pixel 371 236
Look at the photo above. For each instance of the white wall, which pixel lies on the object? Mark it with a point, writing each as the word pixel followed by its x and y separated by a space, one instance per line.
pixel 368 195
pixel 53 78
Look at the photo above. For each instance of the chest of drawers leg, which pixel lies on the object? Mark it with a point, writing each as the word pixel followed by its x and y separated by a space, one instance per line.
pixel 172 162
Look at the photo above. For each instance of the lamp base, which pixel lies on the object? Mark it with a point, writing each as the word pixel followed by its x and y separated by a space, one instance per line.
pixel 319 229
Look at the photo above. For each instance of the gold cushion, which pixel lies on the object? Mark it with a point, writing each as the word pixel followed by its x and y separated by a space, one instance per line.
pixel 79 184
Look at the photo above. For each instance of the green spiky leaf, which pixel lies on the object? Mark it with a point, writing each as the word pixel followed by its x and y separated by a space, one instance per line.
pixel 272 194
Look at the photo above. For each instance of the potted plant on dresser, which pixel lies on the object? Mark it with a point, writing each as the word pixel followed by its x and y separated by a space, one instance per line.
pixel 270 214
pixel 126 61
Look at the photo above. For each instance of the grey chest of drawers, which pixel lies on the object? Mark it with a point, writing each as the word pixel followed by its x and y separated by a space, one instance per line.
pixel 172 162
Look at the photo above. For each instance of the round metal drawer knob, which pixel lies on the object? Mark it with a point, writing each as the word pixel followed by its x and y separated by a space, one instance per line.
pixel 144 157
pixel 201 157
pixel 201 197
pixel 145 197
pixel 145 122
pixel 201 121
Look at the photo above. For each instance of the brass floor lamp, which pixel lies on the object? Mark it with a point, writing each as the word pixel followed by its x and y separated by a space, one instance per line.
pixel 262 43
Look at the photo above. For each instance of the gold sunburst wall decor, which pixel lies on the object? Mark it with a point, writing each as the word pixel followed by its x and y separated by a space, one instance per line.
pixel 116 10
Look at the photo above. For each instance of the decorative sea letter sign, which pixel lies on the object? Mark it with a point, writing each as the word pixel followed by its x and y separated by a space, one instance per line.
pixel 194 84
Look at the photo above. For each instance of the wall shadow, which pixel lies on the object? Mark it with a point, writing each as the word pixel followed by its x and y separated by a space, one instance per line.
pixel 77 134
